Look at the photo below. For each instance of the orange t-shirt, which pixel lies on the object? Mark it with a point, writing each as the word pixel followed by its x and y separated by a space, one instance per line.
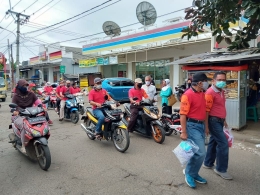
pixel 193 105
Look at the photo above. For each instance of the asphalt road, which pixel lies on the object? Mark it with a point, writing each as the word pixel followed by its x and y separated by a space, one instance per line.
pixel 81 166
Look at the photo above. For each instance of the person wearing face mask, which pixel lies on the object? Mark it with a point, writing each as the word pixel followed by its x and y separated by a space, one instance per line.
pixel 96 99
pixel 63 92
pixel 165 93
pixel 215 121
pixel 139 93
pixel 192 118
pixel 150 90
pixel 23 98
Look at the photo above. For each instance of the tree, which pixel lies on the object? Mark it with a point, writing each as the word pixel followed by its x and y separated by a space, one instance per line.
pixel 218 14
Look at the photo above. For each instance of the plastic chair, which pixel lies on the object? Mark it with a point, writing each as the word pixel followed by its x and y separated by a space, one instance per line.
pixel 253 111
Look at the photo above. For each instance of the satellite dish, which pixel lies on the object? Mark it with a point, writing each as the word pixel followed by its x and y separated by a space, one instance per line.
pixel 146 13
pixel 111 28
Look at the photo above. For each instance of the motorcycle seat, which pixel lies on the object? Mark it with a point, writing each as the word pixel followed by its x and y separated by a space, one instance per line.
pixel 90 110
pixel 176 110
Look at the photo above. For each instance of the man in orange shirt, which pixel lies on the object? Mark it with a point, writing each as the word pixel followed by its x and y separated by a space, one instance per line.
pixel 193 115
pixel 215 121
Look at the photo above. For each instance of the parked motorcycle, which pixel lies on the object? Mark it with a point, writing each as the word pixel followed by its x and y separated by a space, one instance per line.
pixel 171 123
pixel 179 91
pixel 36 144
pixel 80 102
pixel 147 121
pixel 71 109
pixel 113 129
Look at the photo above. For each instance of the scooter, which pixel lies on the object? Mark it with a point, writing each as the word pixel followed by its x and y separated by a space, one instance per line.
pixel 179 91
pixel 113 129
pixel 148 122
pixel 36 139
pixel 80 102
pixel 52 100
pixel 171 123
pixel 71 109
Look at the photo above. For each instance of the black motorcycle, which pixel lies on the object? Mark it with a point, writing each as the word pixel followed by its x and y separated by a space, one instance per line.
pixel 171 123
pixel 147 121
pixel 179 91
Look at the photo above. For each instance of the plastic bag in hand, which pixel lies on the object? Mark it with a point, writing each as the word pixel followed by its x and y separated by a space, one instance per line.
pixel 229 136
pixel 185 150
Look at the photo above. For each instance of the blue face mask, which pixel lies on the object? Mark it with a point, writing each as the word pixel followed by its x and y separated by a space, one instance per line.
pixel 221 84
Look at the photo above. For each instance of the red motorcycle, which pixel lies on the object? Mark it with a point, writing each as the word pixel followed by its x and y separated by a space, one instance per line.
pixel 36 136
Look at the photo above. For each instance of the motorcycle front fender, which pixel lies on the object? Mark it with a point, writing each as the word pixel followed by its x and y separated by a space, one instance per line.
pixel 73 109
pixel 156 122
pixel 41 140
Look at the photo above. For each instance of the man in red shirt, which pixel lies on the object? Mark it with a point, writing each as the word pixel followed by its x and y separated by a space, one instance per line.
pixel 63 92
pixel 215 121
pixel 96 99
pixel 139 93
pixel 47 91
pixel 75 89
pixel 58 89
pixel 193 115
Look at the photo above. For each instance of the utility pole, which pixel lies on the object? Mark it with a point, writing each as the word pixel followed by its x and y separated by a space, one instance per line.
pixel 19 21
pixel 10 65
pixel 12 62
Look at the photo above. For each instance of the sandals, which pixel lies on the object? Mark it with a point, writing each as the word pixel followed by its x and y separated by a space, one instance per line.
pixel 98 136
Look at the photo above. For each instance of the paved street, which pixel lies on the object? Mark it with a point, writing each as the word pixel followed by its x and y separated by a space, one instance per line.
pixel 81 166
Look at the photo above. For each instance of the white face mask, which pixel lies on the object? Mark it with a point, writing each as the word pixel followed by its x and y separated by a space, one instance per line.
pixel 98 86
pixel 205 85
pixel 147 82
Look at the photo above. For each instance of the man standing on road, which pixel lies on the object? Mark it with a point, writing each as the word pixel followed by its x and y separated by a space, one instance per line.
pixel 193 115
pixel 150 90
pixel 139 93
pixel 215 121
pixel 58 89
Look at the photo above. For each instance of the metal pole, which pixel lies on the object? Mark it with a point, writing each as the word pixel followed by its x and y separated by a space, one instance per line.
pixel 12 59
pixel 17 48
pixel 10 65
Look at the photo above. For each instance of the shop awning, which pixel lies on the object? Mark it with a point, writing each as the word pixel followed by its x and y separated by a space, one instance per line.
pixel 209 58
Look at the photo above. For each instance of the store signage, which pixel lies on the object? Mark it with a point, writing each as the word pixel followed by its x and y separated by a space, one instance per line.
pixel 62 69
pixel 100 61
pixel 56 55
pixel 106 61
pixel 113 60
pixel 87 63
pixel 42 56
pixel 34 60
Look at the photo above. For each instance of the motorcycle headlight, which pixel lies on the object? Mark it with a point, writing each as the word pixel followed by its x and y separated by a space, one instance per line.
pixel 36 133
pixel 154 115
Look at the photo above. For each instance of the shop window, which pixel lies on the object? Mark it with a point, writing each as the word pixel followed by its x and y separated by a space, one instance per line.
pixel 128 83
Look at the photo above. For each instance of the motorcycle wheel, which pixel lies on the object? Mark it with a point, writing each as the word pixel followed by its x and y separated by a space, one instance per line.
pixel 81 110
pixel 159 137
pixel 45 157
pixel 90 125
pixel 74 117
pixel 121 139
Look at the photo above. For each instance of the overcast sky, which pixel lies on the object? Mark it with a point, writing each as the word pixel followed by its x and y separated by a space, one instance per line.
pixel 123 13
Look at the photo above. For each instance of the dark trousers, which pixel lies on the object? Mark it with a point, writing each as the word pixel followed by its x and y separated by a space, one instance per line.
pixel 58 104
pixel 166 109
pixel 134 109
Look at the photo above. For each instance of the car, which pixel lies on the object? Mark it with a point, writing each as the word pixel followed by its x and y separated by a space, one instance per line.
pixel 118 88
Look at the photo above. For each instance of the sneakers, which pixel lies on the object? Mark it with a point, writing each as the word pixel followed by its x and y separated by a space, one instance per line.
pixel 207 167
pixel 23 150
pixel 50 122
pixel 61 119
pixel 223 175
pixel 199 179
pixel 191 180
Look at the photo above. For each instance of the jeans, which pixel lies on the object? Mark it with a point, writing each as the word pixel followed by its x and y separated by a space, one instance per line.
pixel 101 119
pixel 217 147
pixel 47 104
pixel 196 132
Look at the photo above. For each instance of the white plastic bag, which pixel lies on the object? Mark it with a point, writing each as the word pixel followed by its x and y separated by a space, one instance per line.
pixel 229 136
pixel 185 150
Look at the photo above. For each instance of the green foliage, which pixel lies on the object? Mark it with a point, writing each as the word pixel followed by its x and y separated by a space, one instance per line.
pixel 218 14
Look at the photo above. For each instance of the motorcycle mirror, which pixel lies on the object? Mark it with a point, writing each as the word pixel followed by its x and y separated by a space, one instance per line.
pixel 106 97
pixel 135 98
pixel 12 105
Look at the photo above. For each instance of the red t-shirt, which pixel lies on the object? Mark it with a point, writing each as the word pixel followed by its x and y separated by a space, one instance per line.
pixel 193 105
pixel 139 93
pixel 75 90
pixel 98 96
pixel 48 89
pixel 65 90
pixel 58 88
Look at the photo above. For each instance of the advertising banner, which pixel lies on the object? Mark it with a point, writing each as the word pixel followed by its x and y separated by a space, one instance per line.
pixel 87 63
pixel 100 61
pixel 106 61
pixel 113 60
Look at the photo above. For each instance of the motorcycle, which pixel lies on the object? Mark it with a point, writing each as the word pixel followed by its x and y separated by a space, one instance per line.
pixel 52 100
pixel 80 103
pixel 71 109
pixel 179 91
pixel 147 121
pixel 113 129
pixel 36 140
pixel 171 123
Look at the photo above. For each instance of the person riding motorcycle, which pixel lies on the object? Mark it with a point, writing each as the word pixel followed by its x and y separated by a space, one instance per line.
pixel 136 92
pixel 47 91
pixel 23 98
pixel 32 88
pixel 75 89
pixel 63 92
pixel 96 99
pixel 58 89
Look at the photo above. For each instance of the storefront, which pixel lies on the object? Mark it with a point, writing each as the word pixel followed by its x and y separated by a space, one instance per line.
pixel 117 70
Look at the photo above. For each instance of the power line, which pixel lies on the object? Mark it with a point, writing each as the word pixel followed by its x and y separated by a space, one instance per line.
pixel 69 18
pixel 29 50
pixel 30 5
pixel 42 7
pixel 3 18
pixel 6 28
pixel 16 4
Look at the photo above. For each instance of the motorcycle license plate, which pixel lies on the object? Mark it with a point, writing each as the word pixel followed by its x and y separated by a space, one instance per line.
pixel 36 120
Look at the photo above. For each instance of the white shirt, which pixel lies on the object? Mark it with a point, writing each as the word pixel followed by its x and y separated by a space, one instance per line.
pixel 150 90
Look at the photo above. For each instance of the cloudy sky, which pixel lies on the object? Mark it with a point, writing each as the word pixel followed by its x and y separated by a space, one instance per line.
pixel 122 12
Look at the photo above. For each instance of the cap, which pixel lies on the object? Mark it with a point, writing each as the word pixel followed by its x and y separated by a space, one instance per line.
pixel 200 76
pixel 97 80
pixel 138 80
pixel 22 82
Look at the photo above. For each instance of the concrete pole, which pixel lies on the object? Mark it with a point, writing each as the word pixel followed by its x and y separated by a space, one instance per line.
pixel 17 48
pixel 10 65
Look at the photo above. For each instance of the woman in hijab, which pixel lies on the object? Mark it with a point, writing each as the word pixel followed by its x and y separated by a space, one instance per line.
pixel 23 98
pixel 165 93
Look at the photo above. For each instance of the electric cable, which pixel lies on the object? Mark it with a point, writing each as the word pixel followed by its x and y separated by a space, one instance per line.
pixel 6 28
pixel 3 18
pixel 30 5
pixel 29 50
pixel 42 7
pixel 16 4
pixel 70 17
